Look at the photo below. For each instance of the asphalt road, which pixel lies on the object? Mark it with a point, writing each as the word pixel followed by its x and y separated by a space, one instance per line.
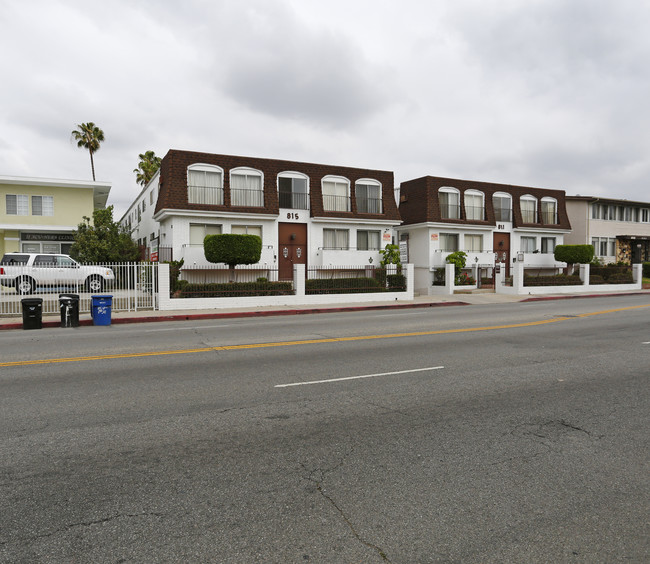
pixel 505 433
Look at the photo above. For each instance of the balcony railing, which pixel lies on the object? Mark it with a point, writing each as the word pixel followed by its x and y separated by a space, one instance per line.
pixel 501 214
pixel 529 216
pixel 450 211
pixel 245 197
pixel 549 217
pixel 475 213
pixel 294 200
pixel 336 203
pixel 369 205
pixel 205 195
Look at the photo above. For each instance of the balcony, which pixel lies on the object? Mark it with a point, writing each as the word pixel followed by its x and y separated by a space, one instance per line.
pixel 246 197
pixel 336 203
pixel 450 211
pixel 485 258
pixel 294 200
pixel 474 213
pixel 549 217
pixel 501 214
pixel 205 195
pixel 369 205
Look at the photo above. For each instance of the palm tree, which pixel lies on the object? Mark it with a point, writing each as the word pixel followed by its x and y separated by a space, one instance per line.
pixel 147 167
pixel 88 136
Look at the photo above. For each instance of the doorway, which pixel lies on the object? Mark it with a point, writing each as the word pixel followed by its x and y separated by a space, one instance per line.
pixel 502 250
pixel 292 240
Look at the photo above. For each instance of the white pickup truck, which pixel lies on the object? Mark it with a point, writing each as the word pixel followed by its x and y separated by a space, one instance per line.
pixel 27 271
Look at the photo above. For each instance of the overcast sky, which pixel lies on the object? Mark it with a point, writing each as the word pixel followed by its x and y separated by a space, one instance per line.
pixel 545 93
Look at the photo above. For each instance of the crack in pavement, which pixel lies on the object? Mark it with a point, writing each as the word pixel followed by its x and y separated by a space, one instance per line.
pixel 82 524
pixel 322 473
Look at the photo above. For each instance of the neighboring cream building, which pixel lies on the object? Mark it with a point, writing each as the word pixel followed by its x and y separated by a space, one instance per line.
pixel 619 230
pixel 38 215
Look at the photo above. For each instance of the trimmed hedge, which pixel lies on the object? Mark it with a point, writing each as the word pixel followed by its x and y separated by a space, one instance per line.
pixel 232 249
pixel 611 274
pixel 574 254
pixel 646 269
pixel 553 280
pixel 396 282
pixel 236 289
pixel 343 285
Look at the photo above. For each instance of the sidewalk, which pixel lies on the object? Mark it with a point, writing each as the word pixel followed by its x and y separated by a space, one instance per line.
pixel 461 299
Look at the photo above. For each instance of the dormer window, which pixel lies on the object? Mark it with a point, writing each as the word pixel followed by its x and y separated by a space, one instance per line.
pixel 336 193
pixel 549 211
pixel 449 199
pixel 368 196
pixel 474 205
pixel 293 191
pixel 205 184
pixel 502 203
pixel 246 187
pixel 528 209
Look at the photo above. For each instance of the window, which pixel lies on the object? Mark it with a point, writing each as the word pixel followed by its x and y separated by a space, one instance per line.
pixel 628 213
pixel 17 204
pixel 336 194
pixel 474 243
pixel 144 207
pixel 247 230
pixel 595 211
pixel 548 245
pixel 42 205
pixel 152 236
pixel 368 195
pixel 246 187
pixel 205 184
pixel 45 261
pixel 368 240
pixel 151 198
pixel 604 247
pixel 549 211
pixel 611 213
pixel 502 206
pixel 293 191
pixel 528 244
pixel 336 239
pixel 528 209
pixel 474 208
pixel 645 215
pixel 198 231
pixel 449 199
pixel 449 242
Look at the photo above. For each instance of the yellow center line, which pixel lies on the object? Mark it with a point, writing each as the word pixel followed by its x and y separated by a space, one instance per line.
pixel 313 341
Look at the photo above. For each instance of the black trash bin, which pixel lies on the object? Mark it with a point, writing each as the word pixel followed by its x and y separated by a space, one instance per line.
pixel 32 313
pixel 69 305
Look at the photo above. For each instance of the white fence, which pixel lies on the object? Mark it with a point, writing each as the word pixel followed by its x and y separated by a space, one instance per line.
pixel 133 286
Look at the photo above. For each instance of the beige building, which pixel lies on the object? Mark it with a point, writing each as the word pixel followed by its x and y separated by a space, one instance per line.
pixel 619 230
pixel 38 215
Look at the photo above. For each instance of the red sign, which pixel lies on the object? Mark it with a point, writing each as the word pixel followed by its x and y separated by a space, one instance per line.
pixel 154 256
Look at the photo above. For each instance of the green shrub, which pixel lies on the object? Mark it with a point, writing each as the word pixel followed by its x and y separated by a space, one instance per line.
pixel 552 280
pixel 646 269
pixel 574 254
pixel 343 285
pixel 439 277
pixel 232 249
pixel 396 282
pixel 235 289
pixel 612 274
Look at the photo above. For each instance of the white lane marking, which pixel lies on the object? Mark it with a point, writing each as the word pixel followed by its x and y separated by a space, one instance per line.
pixel 358 377
pixel 401 314
pixel 184 328
pixel 646 343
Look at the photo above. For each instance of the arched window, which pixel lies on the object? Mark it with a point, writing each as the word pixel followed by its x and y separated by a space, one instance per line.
pixel 293 190
pixel 549 211
pixel 502 203
pixel 449 199
pixel 368 195
pixel 336 193
pixel 474 205
pixel 205 184
pixel 528 205
pixel 246 187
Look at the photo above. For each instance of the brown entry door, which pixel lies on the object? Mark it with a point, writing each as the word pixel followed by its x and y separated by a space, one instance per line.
pixel 502 250
pixel 292 238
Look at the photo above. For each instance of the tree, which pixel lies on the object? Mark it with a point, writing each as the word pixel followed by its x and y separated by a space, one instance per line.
pixel 458 259
pixel 104 240
pixel 88 136
pixel 232 249
pixel 147 167
pixel 573 254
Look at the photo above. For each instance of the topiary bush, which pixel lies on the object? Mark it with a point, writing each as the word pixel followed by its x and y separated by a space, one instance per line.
pixel 232 249
pixel 574 254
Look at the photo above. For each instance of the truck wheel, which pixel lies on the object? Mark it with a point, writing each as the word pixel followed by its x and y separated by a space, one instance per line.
pixel 25 285
pixel 95 284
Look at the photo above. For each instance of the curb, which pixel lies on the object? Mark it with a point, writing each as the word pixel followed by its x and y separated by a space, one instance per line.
pixel 235 314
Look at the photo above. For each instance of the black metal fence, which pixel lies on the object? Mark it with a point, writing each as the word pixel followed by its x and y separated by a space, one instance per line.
pixel 354 279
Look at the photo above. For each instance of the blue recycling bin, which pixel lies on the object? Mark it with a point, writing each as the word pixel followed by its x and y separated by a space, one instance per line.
pixel 100 309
